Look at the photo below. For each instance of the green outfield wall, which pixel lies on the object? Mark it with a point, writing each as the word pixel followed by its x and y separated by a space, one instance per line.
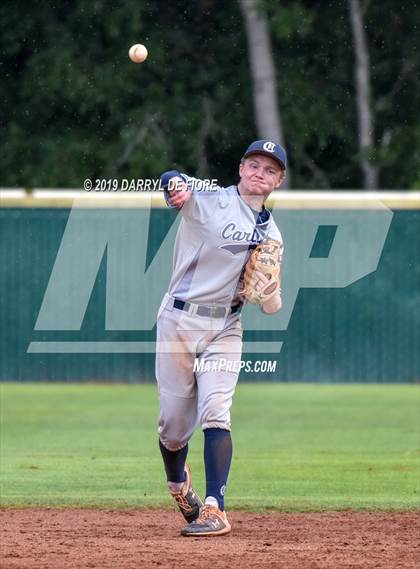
pixel 367 331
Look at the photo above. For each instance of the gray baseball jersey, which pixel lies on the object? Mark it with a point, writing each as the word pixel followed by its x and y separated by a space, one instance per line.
pixel 213 244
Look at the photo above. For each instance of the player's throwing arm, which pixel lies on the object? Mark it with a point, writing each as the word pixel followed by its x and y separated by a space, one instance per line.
pixel 178 192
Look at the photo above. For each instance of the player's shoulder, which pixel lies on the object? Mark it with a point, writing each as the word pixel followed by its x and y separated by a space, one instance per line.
pixel 211 191
pixel 226 195
pixel 207 197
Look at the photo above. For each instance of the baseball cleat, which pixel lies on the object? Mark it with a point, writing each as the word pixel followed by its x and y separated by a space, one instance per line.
pixel 211 521
pixel 188 502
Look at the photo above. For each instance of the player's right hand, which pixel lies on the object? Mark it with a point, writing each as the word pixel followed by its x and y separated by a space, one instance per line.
pixel 178 192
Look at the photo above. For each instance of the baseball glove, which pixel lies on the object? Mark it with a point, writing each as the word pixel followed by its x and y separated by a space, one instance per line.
pixel 265 259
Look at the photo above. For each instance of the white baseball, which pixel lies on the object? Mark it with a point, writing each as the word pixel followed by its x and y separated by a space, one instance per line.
pixel 137 53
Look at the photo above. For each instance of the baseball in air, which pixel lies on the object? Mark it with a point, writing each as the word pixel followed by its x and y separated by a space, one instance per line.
pixel 137 53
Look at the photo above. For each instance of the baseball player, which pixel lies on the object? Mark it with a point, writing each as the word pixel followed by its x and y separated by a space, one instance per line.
pixel 199 332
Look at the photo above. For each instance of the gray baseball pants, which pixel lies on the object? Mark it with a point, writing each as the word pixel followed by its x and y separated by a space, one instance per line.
pixel 197 368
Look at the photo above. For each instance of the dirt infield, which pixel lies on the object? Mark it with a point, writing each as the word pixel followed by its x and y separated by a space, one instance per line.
pixel 121 539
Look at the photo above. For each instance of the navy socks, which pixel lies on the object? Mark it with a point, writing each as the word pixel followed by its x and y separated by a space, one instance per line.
pixel 217 459
pixel 174 461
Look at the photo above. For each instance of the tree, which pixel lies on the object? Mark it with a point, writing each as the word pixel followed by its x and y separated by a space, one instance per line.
pixel 365 120
pixel 73 106
pixel 266 106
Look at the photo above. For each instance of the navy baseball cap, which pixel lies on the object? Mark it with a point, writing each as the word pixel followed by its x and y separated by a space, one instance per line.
pixel 268 148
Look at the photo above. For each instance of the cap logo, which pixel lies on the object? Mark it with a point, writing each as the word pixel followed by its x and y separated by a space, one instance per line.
pixel 269 146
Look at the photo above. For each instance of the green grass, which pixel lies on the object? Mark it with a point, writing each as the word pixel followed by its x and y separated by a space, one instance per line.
pixel 296 447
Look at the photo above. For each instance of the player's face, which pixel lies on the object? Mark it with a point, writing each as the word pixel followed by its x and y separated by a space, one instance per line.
pixel 260 175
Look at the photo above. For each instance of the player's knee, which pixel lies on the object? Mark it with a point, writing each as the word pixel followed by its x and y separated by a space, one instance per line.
pixel 172 439
pixel 173 444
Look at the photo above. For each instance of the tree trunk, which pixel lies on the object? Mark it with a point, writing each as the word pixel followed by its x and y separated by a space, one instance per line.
pixel 362 84
pixel 266 107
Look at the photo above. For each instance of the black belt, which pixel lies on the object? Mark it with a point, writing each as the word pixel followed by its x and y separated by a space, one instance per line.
pixel 211 311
